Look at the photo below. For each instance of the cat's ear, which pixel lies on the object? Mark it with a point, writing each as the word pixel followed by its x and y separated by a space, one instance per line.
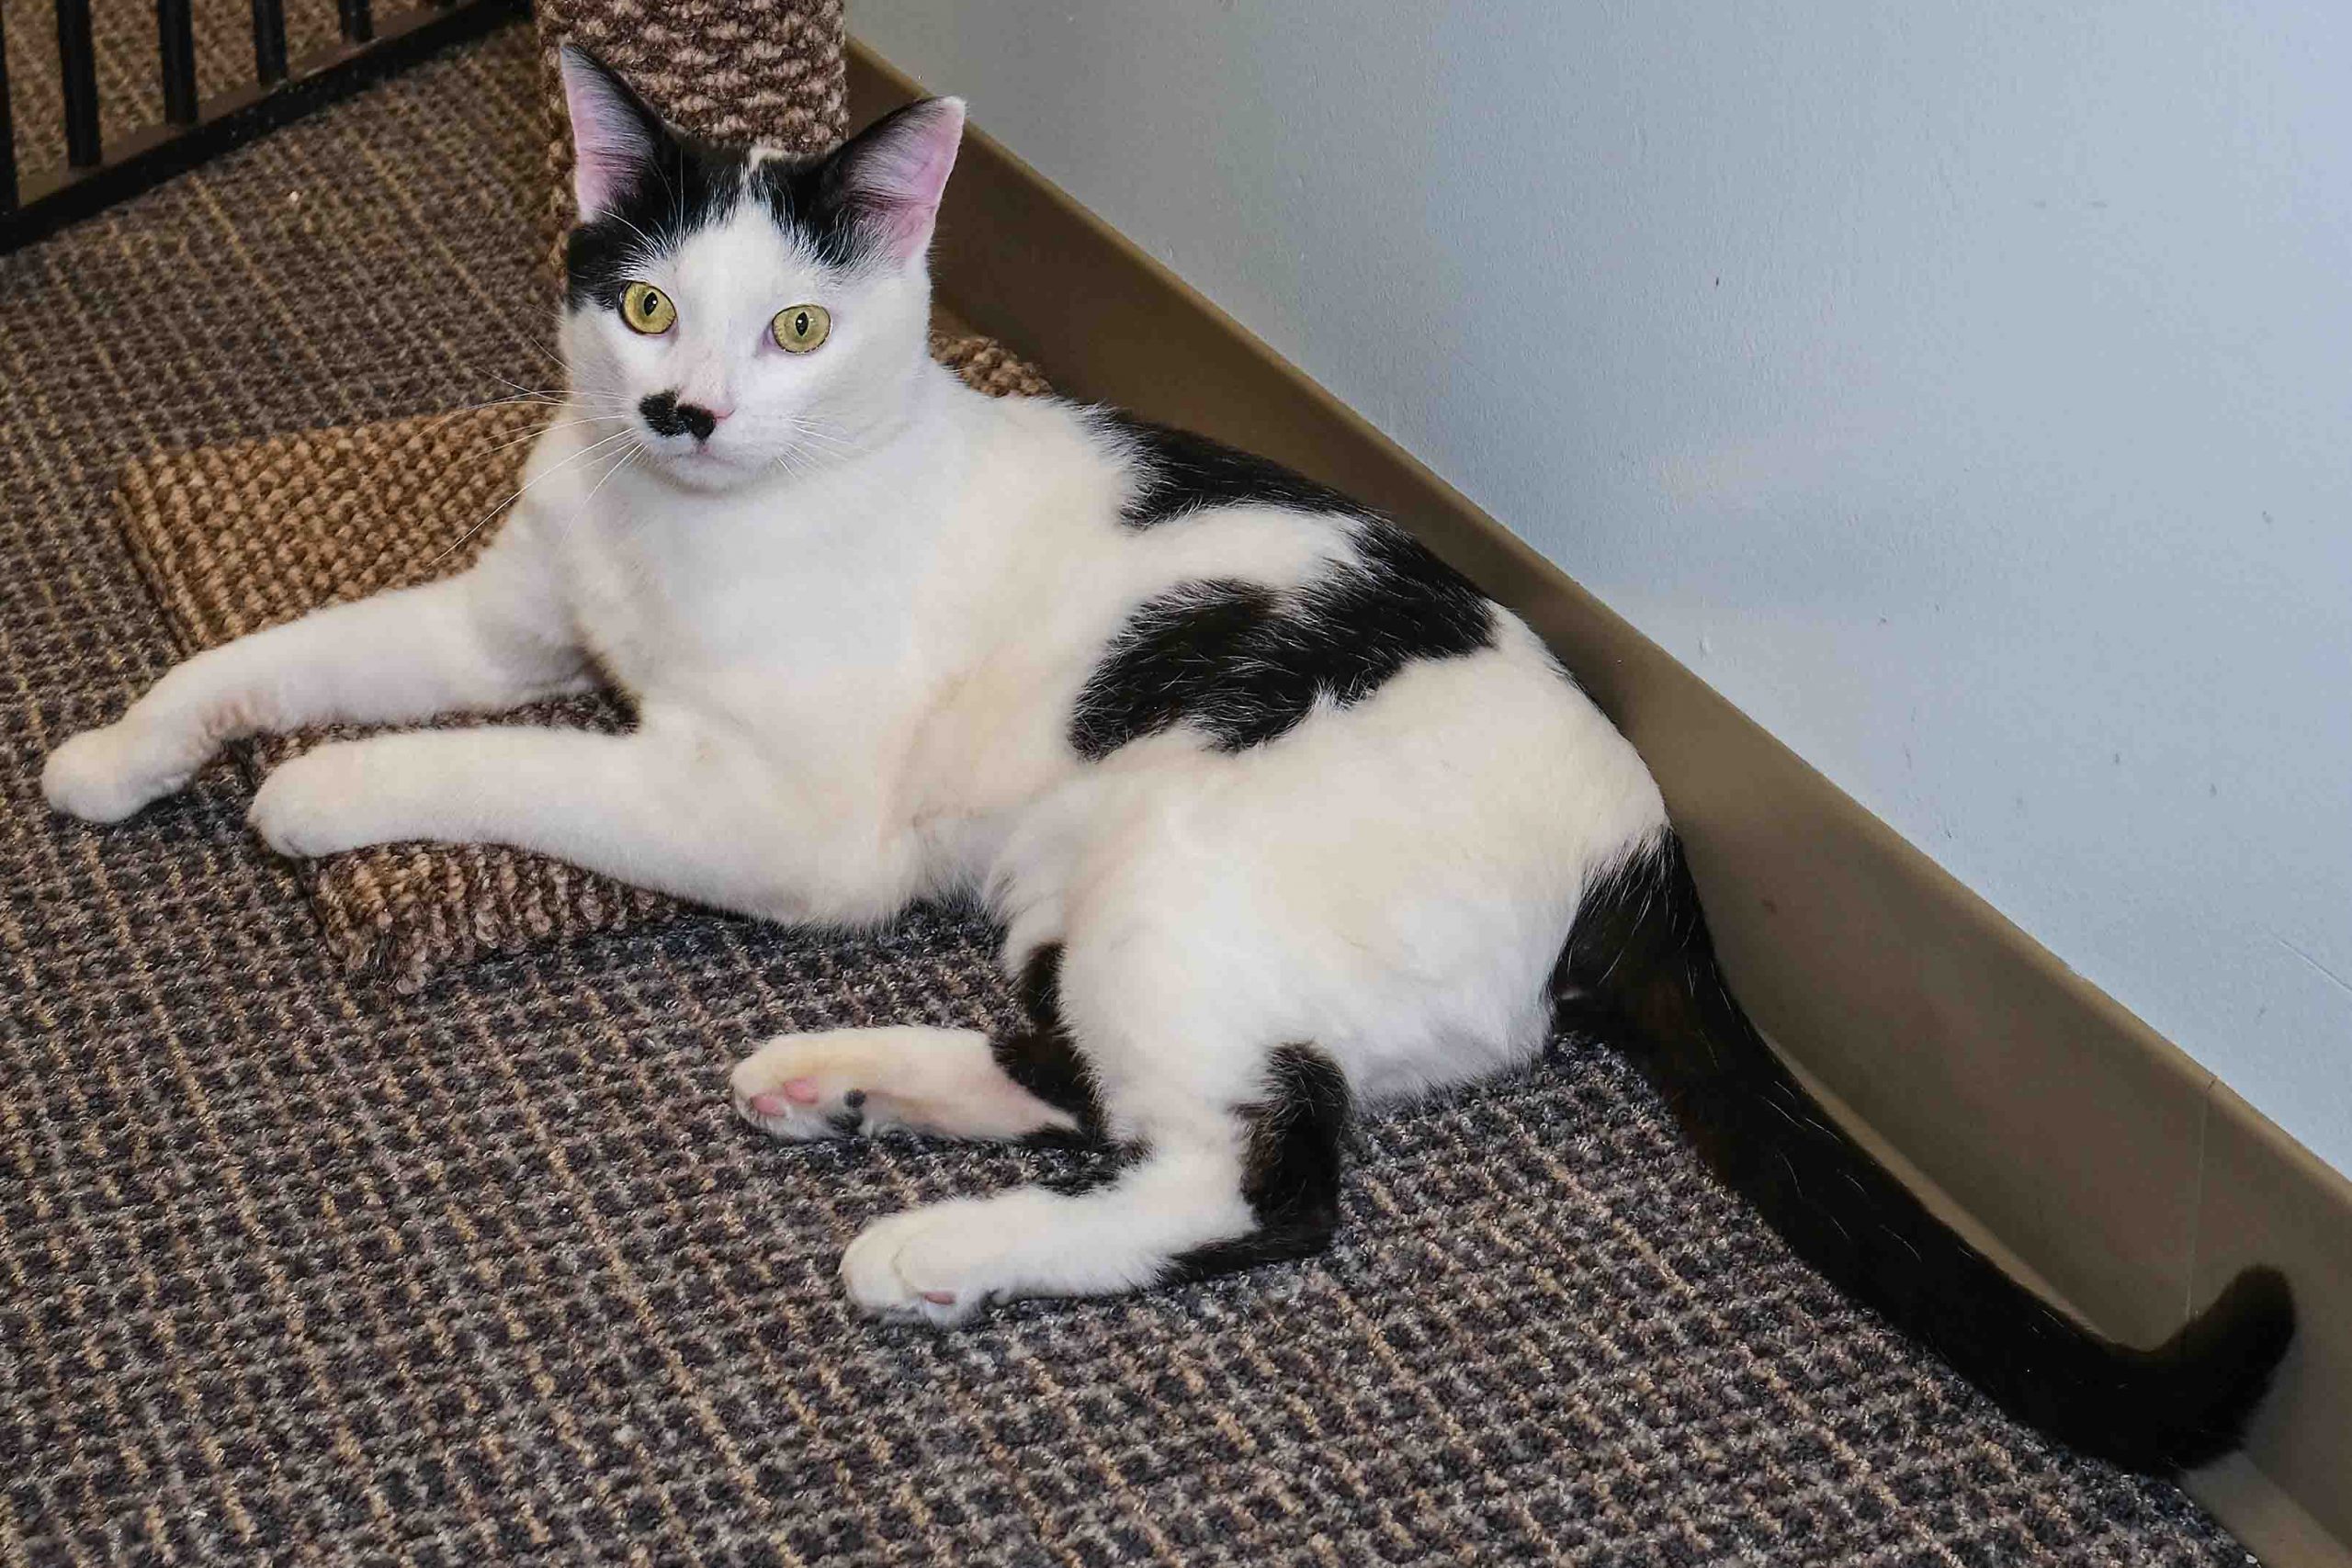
pixel 893 172
pixel 613 135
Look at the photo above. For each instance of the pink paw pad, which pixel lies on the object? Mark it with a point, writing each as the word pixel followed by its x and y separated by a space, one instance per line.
pixel 793 1091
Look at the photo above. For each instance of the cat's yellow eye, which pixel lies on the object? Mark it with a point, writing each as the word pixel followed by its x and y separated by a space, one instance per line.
pixel 799 328
pixel 647 310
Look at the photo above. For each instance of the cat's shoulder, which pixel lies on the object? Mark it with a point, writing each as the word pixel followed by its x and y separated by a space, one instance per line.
pixel 1157 472
pixel 1174 472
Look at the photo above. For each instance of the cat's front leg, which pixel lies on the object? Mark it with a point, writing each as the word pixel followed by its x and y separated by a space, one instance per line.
pixel 107 773
pixel 530 786
pixel 669 807
pixel 330 799
pixel 491 638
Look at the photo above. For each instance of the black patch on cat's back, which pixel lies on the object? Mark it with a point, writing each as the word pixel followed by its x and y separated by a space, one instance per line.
pixel 1243 663
pixel 1177 472
pixel 1290 1173
pixel 1185 655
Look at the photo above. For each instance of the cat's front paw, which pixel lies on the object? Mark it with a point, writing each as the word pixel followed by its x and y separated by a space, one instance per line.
pixel 105 775
pixel 313 804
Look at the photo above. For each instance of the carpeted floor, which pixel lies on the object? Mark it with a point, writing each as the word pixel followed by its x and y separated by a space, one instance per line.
pixel 294 1268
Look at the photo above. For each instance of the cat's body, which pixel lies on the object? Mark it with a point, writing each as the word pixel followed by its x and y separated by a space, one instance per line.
pixel 894 657
pixel 1281 815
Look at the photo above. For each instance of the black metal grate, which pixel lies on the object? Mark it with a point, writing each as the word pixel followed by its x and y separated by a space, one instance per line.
pixel 187 129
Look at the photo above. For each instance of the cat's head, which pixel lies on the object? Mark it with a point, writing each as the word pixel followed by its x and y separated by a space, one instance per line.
pixel 744 311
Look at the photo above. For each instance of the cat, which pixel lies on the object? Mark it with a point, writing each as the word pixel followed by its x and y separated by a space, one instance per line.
pixel 1281 815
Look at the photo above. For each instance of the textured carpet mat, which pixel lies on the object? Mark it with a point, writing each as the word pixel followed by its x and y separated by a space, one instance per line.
pixel 296 1268
pixel 238 537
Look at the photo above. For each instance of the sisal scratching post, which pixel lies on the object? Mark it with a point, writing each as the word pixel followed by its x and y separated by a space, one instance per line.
pixel 771 72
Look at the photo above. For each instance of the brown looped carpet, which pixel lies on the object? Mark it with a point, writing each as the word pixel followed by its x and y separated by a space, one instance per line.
pixel 296 1268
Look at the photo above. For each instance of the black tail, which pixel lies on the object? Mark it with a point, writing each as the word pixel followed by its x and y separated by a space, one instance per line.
pixel 1641 966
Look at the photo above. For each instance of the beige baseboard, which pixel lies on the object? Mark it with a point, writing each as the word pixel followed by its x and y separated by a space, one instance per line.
pixel 2111 1167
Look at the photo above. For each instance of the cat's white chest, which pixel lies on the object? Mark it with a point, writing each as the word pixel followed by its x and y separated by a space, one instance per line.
pixel 775 610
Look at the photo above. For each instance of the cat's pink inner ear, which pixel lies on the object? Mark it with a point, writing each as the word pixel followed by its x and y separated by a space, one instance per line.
pixel 901 177
pixel 611 142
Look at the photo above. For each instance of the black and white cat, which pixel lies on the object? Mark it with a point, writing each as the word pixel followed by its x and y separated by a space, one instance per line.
pixel 1281 815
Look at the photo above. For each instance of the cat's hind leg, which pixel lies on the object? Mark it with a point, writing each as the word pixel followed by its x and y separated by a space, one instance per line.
pixel 842 1082
pixel 1204 1188
pixel 953 1083
pixel 493 637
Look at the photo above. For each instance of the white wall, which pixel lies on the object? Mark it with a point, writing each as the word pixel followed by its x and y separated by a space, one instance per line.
pixel 1964 388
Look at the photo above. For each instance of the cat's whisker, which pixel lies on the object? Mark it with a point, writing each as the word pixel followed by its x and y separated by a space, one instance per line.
pixel 522 391
pixel 502 403
pixel 800 457
pixel 539 345
pixel 558 425
pixel 461 539
pixel 650 248
pixel 823 437
pixel 626 457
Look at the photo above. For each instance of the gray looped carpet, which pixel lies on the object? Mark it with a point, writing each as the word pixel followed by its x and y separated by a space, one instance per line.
pixel 294 1268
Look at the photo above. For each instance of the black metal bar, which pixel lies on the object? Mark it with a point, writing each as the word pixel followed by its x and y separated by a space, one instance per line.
pixel 358 23
pixel 78 66
pixel 7 128
pixel 55 196
pixel 269 41
pixel 176 50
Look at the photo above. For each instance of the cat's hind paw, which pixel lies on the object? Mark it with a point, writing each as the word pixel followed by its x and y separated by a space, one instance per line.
pixel 788 1092
pixel 839 1082
pixel 934 1265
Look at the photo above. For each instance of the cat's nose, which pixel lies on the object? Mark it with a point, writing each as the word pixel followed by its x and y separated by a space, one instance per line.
pixel 665 416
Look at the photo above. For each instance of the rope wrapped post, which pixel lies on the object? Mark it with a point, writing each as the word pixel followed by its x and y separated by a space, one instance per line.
pixel 771 72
